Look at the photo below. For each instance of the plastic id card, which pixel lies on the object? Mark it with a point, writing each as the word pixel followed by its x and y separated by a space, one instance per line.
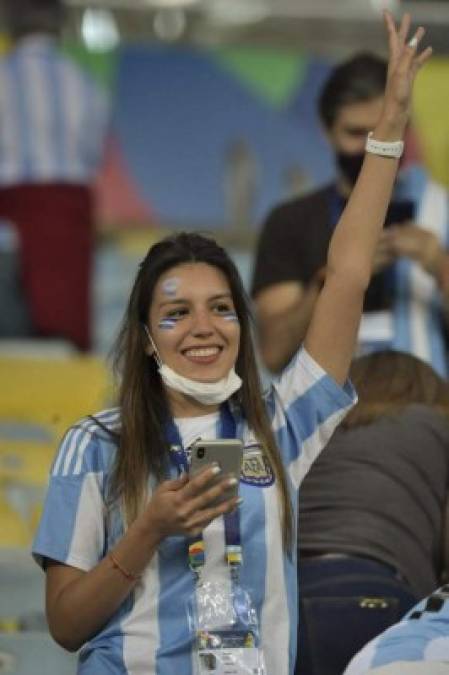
pixel 225 630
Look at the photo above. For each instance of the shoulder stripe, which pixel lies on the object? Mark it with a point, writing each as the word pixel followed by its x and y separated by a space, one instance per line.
pixel 73 447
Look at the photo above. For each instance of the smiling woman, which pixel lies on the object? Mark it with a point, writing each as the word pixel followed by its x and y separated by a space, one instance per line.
pixel 193 324
pixel 148 570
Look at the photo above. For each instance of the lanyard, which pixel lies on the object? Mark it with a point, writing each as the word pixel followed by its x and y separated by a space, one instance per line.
pixel 233 546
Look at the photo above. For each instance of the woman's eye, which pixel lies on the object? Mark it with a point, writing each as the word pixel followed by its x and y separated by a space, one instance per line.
pixel 171 318
pixel 223 309
pixel 226 312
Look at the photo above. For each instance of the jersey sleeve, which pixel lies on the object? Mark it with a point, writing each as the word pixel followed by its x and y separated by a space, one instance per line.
pixel 307 406
pixel 422 635
pixel 71 529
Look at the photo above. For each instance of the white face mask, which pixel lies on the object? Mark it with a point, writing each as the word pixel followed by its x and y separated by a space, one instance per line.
pixel 207 393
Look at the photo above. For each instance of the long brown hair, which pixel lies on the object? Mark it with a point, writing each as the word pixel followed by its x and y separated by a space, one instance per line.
pixel 142 447
pixel 388 381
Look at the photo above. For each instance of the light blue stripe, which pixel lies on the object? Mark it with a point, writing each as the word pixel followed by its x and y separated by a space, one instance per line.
pixel 411 184
pixel 308 412
pixel 401 340
pixel 291 579
pixel 176 587
pixel 89 112
pixel 437 354
pixel 404 641
pixel 104 654
pixel 76 434
pixel 62 452
pixel 55 94
pixel 92 458
pixel 18 90
pixel 54 535
pixel 253 523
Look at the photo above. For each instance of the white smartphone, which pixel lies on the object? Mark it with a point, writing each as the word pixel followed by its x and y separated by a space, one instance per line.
pixel 227 453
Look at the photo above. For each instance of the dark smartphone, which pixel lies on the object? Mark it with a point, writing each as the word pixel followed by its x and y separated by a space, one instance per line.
pixel 399 212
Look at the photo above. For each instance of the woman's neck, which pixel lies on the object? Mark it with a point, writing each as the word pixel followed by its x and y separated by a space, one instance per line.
pixel 186 406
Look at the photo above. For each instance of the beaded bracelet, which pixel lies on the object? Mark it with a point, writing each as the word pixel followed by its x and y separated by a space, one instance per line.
pixel 126 573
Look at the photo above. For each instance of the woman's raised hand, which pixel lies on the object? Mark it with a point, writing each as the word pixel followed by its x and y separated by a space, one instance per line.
pixel 405 60
pixel 186 507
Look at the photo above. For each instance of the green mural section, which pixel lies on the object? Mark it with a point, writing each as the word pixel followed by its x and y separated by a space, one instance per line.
pixel 102 66
pixel 275 76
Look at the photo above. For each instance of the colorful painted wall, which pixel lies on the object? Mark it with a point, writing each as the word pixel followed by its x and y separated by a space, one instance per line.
pixel 211 139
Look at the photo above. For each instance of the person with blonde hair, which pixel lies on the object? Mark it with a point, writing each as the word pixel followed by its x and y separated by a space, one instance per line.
pixel 372 510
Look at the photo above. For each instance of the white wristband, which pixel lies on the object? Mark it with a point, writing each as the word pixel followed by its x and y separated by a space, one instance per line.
pixel 384 148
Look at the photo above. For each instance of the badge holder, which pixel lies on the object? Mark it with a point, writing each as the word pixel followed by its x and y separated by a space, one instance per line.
pixel 226 632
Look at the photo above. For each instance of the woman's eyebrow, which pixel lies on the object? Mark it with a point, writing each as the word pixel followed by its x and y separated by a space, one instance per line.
pixel 177 301
pixel 184 301
pixel 220 296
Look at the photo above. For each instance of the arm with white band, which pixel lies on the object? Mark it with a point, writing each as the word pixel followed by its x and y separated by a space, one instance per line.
pixel 392 149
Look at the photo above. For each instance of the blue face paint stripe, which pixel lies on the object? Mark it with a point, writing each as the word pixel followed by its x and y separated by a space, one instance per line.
pixel 230 316
pixel 167 324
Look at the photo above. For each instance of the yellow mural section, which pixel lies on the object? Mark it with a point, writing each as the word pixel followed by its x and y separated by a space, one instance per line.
pixel 4 43
pixel 431 117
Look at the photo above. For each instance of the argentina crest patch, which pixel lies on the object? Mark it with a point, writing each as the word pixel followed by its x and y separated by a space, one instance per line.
pixel 256 469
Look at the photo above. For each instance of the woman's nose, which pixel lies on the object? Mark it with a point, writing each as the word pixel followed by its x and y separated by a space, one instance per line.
pixel 202 324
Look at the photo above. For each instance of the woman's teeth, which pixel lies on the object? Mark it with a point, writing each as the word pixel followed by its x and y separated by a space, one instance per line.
pixel 209 351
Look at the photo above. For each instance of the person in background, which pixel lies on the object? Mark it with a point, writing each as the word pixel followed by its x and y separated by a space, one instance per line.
pixel 126 534
pixel 406 302
pixel 371 510
pixel 53 122
pixel 417 645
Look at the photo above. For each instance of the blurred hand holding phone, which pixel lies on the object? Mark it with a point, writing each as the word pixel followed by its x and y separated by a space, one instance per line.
pixel 400 212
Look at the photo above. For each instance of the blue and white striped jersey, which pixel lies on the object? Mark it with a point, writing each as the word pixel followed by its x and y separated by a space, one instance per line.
pixel 53 117
pixel 417 304
pixel 422 635
pixel 149 634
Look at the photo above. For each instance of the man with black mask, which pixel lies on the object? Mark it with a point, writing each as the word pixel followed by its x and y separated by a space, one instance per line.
pixel 407 300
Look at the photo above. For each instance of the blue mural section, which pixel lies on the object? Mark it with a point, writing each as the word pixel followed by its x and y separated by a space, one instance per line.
pixel 178 113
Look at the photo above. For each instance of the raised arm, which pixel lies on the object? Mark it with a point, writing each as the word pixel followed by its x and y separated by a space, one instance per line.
pixel 332 334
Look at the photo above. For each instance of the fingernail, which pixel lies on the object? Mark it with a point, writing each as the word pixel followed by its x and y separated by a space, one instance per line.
pixel 240 501
pixel 232 481
pixel 216 469
pixel 413 43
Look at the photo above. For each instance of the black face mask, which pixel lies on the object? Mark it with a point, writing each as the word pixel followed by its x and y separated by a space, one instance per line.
pixel 350 165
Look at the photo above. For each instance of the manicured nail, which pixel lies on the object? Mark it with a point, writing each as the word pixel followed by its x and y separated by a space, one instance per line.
pixel 240 501
pixel 232 481
pixel 216 469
